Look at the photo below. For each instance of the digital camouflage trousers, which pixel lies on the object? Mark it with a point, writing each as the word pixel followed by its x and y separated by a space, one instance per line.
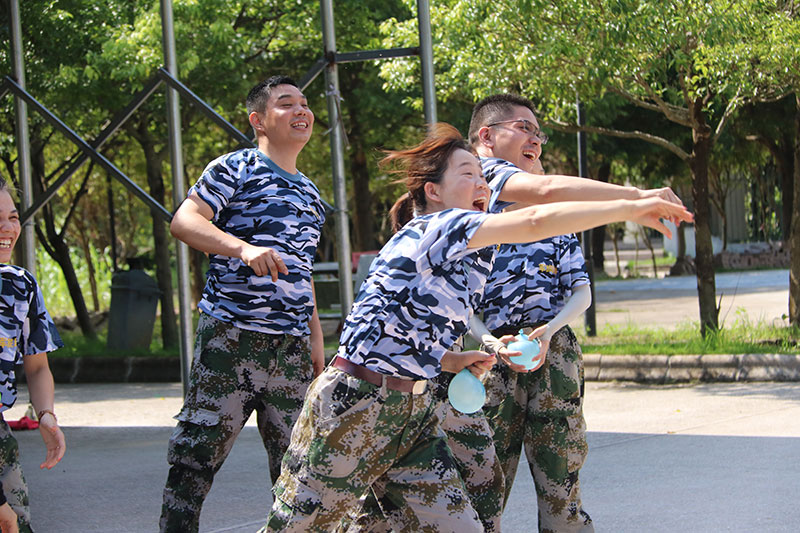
pixel 543 410
pixel 353 436
pixel 14 486
pixel 470 441
pixel 234 373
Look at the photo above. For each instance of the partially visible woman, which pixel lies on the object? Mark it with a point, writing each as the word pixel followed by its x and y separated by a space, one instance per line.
pixel 26 333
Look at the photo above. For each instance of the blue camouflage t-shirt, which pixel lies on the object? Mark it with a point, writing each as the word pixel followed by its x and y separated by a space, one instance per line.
pixel 257 201
pixel 418 296
pixel 25 327
pixel 529 282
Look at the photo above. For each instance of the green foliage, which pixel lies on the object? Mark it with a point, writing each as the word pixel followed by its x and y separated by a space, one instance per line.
pixel 51 280
pixel 86 58
pixel 76 345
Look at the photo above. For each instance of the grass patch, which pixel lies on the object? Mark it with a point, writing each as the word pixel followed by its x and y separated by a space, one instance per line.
pixel 648 262
pixel 743 336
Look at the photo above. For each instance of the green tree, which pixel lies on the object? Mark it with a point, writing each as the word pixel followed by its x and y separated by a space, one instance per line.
pixel 774 62
pixel 676 60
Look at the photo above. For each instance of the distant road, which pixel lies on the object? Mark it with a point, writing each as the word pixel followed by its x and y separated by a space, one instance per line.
pixel 760 294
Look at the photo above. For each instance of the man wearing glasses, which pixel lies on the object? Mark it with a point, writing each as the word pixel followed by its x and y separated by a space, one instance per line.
pixel 537 286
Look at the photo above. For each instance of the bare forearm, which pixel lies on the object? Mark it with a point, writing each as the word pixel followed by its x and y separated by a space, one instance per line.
pixel 541 221
pixel 201 234
pixel 532 189
pixel 317 338
pixel 40 386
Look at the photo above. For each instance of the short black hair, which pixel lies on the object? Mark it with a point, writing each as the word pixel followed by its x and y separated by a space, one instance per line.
pixel 493 109
pixel 258 95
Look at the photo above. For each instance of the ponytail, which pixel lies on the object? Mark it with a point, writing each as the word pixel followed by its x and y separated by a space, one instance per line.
pixel 401 212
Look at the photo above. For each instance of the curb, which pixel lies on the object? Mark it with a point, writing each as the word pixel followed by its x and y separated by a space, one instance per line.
pixel 686 368
pixel 656 369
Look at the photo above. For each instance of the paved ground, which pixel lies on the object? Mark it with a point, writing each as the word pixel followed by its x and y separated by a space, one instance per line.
pixel 761 295
pixel 697 458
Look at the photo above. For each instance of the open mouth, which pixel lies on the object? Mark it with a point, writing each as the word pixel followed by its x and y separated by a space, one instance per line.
pixel 480 204
pixel 300 124
pixel 530 154
pixel 5 244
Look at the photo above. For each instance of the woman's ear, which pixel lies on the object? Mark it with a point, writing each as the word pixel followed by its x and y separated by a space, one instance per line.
pixel 432 192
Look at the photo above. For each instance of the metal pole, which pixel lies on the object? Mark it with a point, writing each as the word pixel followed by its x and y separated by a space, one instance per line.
pixel 591 317
pixel 178 191
pixel 23 142
pixel 337 160
pixel 426 58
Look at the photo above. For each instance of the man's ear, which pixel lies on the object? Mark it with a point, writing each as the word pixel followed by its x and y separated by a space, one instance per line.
pixel 485 137
pixel 255 122
pixel 432 191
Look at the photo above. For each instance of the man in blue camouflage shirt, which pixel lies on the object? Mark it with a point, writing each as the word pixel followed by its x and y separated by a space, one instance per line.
pixel 540 285
pixel 259 340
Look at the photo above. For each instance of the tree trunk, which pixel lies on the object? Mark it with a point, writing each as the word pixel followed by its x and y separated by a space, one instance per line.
pixel 787 167
pixel 363 218
pixel 704 253
pixel 599 233
pixel 794 236
pixel 155 181
pixel 56 246
pixel 363 210
pixel 87 254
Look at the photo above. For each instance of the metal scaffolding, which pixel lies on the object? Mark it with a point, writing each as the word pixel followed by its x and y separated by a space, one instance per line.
pixel 175 89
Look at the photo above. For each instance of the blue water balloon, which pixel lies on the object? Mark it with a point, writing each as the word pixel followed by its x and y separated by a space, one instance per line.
pixel 530 351
pixel 466 392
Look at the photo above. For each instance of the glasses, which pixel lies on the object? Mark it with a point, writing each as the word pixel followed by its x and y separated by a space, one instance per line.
pixel 527 127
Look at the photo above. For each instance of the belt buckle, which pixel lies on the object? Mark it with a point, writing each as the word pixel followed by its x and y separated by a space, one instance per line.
pixel 419 387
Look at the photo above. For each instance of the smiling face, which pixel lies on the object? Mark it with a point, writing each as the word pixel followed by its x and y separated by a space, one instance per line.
pixel 462 185
pixel 9 226
pixel 286 118
pixel 516 139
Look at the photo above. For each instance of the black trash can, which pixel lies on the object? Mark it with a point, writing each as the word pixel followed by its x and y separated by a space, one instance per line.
pixel 134 298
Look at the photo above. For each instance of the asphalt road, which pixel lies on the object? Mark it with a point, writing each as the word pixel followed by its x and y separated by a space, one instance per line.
pixel 694 458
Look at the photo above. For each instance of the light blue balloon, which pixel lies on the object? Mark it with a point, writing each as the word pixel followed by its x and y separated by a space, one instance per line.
pixel 466 392
pixel 529 348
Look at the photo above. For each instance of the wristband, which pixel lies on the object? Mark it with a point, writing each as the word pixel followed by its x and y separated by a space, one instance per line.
pixel 43 412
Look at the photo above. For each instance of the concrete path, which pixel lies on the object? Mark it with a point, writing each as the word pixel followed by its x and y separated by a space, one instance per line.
pixel 694 458
pixel 760 294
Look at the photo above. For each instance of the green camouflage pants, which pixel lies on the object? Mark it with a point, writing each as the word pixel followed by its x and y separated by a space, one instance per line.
pixel 470 441
pixel 544 411
pixel 234 372
pixel 353 436
pixel 14 486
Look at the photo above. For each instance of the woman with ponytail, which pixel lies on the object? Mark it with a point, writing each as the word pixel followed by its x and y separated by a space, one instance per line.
pixel 370 421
